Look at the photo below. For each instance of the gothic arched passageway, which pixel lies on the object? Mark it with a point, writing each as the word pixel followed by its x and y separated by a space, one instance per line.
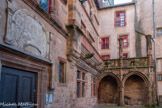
pixel 108 91
pixel 135 91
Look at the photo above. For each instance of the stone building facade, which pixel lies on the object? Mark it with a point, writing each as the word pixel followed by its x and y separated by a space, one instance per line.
pixel 51 54
pixel 133 22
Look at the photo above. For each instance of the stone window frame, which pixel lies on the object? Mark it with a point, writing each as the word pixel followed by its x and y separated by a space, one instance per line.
pixel 115 20
pixel 127 43
pixel 93 86
pixel 64 79
pixel 159 31
pixel 107 38
pixel 81 81
pixel 159 77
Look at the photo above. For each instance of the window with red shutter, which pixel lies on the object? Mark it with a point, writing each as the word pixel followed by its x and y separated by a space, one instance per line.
pixel 105 57
pixel 125 41
pixel 125 55
pixel 120 19
pixel 105 43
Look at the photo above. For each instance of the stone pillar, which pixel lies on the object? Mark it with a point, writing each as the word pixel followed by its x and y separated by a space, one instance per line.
pixel 121 102
pixel 121 89
pixel 120 48
pixel 150 74
pixel 121 56
pixel 149 45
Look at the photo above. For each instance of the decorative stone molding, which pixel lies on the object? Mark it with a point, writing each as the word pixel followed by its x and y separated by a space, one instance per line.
pixel 74 43
pixel 87 67
pixel 25 30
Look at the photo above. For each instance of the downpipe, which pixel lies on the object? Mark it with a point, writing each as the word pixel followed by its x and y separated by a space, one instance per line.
pixel 155 58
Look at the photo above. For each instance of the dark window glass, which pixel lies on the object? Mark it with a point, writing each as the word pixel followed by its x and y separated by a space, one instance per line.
pixel 78 74
pixel 61 72
pixel 83 76
pixel 78 89
pixel 83 89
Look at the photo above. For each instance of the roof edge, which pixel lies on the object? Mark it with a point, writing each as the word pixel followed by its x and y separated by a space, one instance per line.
pixel 119 5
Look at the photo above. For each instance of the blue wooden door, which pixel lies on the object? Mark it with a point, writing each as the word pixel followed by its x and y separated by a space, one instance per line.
pixel 17 87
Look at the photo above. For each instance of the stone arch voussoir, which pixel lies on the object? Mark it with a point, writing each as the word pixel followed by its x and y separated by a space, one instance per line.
pixel 138 73
pixel 108 74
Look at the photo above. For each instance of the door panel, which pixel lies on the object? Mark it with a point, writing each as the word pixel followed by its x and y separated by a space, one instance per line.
pixel 10 88
pixel 17 86
pixel 26 92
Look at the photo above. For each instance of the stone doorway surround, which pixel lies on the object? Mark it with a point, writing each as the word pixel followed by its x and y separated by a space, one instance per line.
pixel 18 60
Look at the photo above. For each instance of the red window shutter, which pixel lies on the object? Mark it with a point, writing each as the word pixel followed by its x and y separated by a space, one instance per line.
pixel 105 43
pixel 103 57
pixel 106 57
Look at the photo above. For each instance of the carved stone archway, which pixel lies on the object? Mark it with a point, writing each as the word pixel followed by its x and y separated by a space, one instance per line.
pixel 136 89
pixel 108 84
